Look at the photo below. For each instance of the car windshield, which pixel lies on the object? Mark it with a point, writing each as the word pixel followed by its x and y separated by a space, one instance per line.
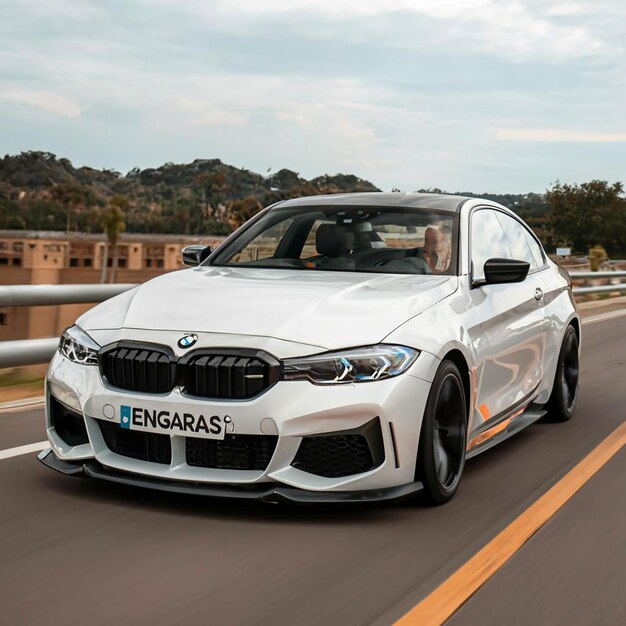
pixel 386 241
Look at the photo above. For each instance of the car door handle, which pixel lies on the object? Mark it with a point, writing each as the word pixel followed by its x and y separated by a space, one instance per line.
pixel 538 294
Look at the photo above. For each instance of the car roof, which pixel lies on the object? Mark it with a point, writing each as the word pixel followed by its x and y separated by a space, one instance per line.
pixel 441 202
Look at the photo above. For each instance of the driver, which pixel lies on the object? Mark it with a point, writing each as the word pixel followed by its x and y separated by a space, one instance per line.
pixel 437 249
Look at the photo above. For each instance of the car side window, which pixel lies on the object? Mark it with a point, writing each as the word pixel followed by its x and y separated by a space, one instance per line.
pixel 487 241
pixel 517 238
pixel 535 248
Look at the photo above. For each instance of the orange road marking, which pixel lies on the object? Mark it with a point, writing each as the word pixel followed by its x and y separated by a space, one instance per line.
pixel 445 600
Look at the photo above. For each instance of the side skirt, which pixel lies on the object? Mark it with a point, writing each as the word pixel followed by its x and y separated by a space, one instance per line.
pixel 503 430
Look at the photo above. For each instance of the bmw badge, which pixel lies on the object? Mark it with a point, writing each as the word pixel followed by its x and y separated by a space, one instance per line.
pixel 187 341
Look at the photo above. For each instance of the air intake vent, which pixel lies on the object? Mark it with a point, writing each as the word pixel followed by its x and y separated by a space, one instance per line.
pixel 342 453
pixel 134 444
pixel 234 452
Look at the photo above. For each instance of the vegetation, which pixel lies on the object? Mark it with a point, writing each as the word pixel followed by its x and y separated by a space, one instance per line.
pixel 587 215
pixel 112 222
pixel 597 256
pixel 39 191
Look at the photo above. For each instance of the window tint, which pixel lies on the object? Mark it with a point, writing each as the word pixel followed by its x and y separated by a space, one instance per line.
pixel 535 249
pixel 488 241
pixel 518 239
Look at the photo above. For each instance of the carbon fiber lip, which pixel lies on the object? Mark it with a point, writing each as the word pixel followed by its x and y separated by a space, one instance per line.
pixel 268 492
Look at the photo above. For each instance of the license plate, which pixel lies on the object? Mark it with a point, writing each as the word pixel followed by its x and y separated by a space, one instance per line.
pixel 175 422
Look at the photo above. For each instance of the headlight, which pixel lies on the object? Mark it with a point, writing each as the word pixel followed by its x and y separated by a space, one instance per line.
pixel 78 346
pixel 358 365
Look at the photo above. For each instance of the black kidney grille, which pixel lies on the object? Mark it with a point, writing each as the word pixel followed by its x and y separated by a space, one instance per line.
pixel 228 374
pixel 138 445
pixel 234 452
pixel 224 376
pixel 137 369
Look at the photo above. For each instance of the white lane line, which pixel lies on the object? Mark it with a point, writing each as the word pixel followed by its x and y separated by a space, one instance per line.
pixel 27 449
pixel 603 317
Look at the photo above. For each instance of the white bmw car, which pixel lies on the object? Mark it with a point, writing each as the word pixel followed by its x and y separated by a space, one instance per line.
pixel 334 348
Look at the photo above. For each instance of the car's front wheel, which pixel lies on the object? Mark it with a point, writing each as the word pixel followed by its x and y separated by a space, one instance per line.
pixel 562 402
pixel 441 454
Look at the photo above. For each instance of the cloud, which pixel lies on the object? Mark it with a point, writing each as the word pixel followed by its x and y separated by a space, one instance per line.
pixel 517 29
pixel 405 93
pixel 203 114
pixel 553 134
pixel 48 101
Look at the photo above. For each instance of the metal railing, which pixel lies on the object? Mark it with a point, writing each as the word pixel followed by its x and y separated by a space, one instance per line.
pixel 582 290
pixel 45 295
pixel 37 351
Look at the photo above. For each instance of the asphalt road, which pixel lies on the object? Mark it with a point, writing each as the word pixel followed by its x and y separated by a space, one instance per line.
pixel 78 551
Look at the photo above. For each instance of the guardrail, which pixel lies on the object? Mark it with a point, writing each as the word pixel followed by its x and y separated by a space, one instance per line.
pixel 37 351
pixel 581 290
pixel 45 295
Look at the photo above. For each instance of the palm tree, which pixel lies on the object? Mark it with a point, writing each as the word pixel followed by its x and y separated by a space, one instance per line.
pixel 113 225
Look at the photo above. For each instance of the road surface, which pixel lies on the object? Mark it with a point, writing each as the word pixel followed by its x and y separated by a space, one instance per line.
pixel 80 551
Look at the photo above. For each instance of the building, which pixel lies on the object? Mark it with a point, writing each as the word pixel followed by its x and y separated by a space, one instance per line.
pixel 49 257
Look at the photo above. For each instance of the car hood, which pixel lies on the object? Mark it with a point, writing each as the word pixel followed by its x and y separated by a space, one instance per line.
pixel 326 309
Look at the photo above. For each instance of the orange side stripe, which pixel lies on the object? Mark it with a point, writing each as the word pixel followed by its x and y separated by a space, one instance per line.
pixel 440 605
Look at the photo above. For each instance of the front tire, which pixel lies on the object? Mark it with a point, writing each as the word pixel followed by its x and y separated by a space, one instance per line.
pixel 441 454
pixel 564 396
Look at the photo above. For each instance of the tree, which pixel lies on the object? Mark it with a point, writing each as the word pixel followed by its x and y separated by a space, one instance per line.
pixel 589 214
pixel 113 225
pixel 597 256
pixel 240 211
pixel 75 199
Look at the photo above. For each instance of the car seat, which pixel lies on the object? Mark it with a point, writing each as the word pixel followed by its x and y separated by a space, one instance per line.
pixel 331 242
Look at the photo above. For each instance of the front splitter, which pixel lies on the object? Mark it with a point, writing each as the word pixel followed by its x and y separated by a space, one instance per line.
pixel 265 492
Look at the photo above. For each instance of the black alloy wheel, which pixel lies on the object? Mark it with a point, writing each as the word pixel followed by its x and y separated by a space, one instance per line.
pixel 441 454
pixel 562 402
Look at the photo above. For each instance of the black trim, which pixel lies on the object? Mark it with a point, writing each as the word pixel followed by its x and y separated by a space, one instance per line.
pixel 274 368
pixel 528 417
pixel 394 445
pixel 68 423
pixel 343 452
pixel 137 345
pixel 265 492
pixel 177 366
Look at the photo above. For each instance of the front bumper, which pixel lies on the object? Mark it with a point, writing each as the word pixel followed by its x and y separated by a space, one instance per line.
pixel 290 411
pixel 264 492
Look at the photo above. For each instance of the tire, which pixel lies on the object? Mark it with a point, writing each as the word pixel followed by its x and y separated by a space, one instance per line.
pixel 564 396
pixel 441 453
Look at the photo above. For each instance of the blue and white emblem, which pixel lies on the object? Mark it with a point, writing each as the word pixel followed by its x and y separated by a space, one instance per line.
pixel 187 341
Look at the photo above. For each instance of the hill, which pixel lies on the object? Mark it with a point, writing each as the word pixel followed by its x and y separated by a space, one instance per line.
pixel 38 190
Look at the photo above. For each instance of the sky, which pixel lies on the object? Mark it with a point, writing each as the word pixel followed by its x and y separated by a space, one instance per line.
pixel 464 95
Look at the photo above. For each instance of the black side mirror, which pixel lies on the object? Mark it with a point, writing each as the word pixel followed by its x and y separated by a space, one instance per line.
pixel 505 271
pixel 194 255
